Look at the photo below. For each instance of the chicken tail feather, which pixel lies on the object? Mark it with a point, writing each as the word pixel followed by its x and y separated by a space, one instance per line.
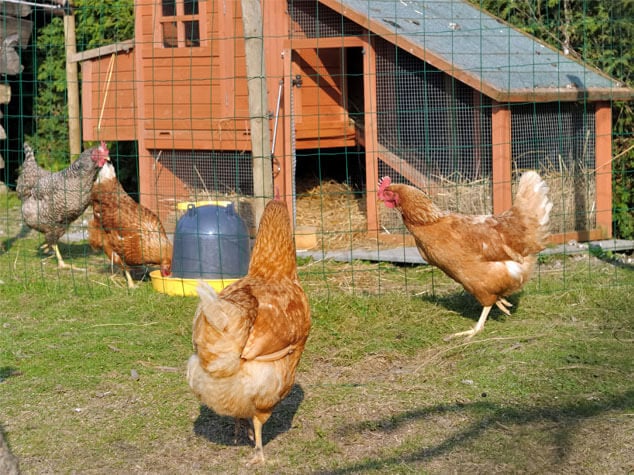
pixel 532 198
pixel 211 306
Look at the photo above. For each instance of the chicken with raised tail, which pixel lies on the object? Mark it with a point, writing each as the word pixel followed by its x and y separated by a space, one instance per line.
pixel 128 232
pixel 52 201
pixel 249 338
pixel 491 256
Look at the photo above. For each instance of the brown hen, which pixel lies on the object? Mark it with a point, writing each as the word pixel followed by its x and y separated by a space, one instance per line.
pixel 491 256
pixel 249 338
pixel 129 233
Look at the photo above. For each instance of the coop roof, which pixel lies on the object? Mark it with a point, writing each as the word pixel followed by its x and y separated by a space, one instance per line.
pixel 481 50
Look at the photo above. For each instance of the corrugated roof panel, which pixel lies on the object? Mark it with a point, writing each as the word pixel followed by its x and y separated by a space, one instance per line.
pixel 480 49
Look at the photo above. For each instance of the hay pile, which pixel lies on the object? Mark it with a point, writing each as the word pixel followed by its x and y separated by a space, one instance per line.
pixel 573 193
pixel 335 210
pixel 337 213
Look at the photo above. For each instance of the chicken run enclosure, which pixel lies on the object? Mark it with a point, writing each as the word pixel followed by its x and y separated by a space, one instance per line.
pixel 438 94
pixel 415 217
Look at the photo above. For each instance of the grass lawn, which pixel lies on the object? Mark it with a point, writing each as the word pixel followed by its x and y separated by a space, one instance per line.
pixel 92 374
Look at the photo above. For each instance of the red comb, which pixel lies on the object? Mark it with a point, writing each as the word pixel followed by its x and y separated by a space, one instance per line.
pixel 383 184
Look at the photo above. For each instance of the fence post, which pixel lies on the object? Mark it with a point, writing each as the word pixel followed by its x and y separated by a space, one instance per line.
pixel 259 118
pixel 72 82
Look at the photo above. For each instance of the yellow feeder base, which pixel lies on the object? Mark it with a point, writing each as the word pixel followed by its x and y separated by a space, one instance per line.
pixel 183 205
pixel 184 287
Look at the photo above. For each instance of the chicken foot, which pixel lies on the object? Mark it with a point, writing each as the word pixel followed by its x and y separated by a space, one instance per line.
pixel 501 303
pixel 60 261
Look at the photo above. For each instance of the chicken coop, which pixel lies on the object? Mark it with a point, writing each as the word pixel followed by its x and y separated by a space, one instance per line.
pixel 437 94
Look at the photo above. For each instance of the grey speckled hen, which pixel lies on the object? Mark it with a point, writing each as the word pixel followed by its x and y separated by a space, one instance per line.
pixel 52 201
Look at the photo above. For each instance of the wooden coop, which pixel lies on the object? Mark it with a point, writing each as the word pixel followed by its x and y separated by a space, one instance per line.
pixel 444 96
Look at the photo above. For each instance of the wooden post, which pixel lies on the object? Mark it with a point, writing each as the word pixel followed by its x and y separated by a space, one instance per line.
pixel 371 138
pixel 501 149
pixel 287 160
pixel 603 163
pixel 258 111
pixel 72 82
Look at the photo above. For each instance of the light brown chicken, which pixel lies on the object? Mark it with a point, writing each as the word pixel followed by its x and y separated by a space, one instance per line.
pixel 129 233
pixel 491 256
pixel 249 338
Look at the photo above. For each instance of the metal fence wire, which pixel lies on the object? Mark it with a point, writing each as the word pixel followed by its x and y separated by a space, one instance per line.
pixel 440 95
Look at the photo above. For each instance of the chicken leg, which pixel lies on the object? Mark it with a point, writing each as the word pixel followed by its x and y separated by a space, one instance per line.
pixel 501 303
pixel 258 421
pixel 60 261
pixel 128 277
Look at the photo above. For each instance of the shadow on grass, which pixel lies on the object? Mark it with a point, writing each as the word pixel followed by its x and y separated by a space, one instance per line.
pixel 466 305
pixel 7 244
pixel 487 415
pixel 220 429
pixel 608 257
pixel 7 372
pixel 69 250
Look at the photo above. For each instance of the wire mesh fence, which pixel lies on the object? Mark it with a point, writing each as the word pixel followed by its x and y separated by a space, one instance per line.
pixel 436 94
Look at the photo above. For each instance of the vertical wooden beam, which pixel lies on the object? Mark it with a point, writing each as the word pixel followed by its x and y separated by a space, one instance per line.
pixel 227 27
pixel 276 32
pixel 477 133
pixel 258 111
pixel 371 137
pixel 603 172
pixel 501 149
pixel 88 120
pixel 286 162
pixel 147 190
pixel 72 82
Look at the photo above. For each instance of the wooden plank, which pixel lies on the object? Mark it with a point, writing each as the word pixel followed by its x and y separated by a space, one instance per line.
pixel 89 121
pixel 501 151
pixel 324 43
pixel 227 54
pixel 157 51
pixel 370 138
pixel 579 236
pixel 198 65
pixel 124 130
pixel 287 110
pixel 275 31
pixel 123 46
pixel 325 142
pixel 109 97
pixel 143 23
pixel 325 130
pixel 603 171
pixel 403 168
pixel 195 140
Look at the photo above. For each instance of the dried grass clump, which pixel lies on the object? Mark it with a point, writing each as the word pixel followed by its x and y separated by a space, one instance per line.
pixel 338 213
pixel 573 193
pixel 334 209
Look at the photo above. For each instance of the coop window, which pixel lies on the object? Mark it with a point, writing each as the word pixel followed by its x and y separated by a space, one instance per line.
pixel 169 7
pixel 180 23
pixel 192 34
